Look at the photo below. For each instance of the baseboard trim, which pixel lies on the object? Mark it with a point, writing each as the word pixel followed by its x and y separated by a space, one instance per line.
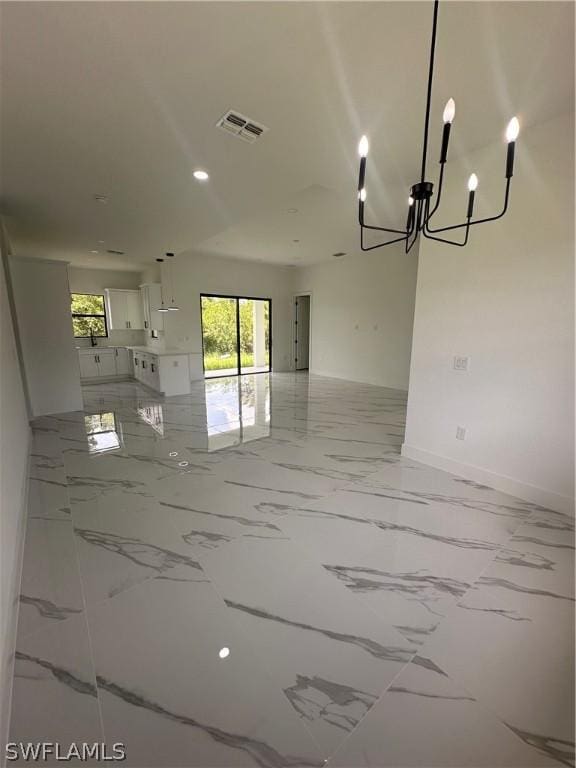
pixel 533 493
pixel 356 380
pixel 12 622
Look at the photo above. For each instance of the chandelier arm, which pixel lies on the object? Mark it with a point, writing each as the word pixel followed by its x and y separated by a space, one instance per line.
pixel 383 229
pixel 410 245
pixel 478 221
pixel 376 229
pixel 437 203
pixel 379 245
pixel 449 242
pixel 429 93
pixel 416 228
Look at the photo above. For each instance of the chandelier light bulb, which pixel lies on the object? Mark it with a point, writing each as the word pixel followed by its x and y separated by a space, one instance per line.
pixel 512 130
pixel 449 111
pixel 362 195
pixel 472 182
pixel 363 147
pixel 410 201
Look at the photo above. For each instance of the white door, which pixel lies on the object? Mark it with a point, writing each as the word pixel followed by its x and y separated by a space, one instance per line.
pixel 302 335
pixel 117 310
pixel 88 365
pixel 134 315
pixel 107 363
pixel 123 366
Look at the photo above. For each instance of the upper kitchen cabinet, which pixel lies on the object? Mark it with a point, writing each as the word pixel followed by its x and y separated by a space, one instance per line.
pixel 151 303
pixel 124 309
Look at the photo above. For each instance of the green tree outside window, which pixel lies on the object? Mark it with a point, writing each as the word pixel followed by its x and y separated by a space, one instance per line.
pixel 88 315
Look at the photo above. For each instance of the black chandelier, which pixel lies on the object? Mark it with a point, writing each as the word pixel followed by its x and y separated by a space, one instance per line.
pixel 419 211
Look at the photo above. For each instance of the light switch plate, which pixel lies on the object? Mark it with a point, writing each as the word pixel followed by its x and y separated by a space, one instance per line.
pixel 460 433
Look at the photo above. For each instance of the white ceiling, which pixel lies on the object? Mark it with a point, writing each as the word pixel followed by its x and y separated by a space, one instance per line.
pixel 122 99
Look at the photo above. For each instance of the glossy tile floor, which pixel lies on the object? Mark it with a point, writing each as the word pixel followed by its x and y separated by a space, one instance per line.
pixel 252 576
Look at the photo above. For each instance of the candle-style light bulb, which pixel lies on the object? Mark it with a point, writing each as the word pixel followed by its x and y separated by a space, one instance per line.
pixel 410 201
pixel 449 111
pixel 448 116
pixel 472 184
pixel 362 195
pixel 363 147
pixel 512 130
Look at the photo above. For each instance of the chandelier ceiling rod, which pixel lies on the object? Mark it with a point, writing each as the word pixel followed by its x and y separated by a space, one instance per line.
pixel 429 94
pixel 419 211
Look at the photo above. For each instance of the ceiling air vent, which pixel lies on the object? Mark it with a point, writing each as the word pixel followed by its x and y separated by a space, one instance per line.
pixel 241 126
pixel 115 253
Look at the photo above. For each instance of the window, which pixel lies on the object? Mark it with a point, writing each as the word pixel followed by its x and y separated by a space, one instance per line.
pixel 88 315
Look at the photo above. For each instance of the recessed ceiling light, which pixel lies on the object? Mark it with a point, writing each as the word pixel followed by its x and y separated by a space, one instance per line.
pixel 94 251
pixel 224 653
pixel 200 175
pixel 101 199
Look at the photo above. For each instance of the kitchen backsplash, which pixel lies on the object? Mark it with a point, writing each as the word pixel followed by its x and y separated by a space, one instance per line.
pixel 119 338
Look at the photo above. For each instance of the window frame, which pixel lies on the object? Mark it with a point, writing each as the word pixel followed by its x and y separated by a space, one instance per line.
pixel 104 316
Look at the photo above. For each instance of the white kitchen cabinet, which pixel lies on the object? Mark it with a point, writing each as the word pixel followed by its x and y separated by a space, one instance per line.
pixel 134 310
pixel 124 309
pixel 123 363
pixel 88 365
pixel 164 372
pixel 104 362
pixel 151 294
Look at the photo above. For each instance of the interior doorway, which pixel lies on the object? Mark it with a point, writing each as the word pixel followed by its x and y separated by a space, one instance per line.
pixel 236 335
pixel 302 332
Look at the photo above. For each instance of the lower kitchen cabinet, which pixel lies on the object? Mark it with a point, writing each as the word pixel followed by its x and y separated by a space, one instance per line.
pixel 104 362
pixel 168 374
pixel 123 362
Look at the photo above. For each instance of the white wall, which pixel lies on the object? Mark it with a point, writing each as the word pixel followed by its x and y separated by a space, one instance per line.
pixel 362 314
pixel 14 448
pixel 84 280
pixel 507 301
pixel 194 275
pixel 42 300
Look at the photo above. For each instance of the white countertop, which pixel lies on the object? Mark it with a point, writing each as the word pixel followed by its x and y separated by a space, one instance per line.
pixel 101 347
pixel 162 352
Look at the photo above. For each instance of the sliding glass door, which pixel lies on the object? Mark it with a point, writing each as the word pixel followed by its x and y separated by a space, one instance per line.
pixel 235 335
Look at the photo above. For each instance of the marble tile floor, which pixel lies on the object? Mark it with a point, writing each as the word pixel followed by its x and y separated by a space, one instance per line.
pixel 252 575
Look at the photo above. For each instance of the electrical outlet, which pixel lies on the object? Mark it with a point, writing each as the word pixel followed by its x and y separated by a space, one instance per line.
pixel 460 433
pixel 461 363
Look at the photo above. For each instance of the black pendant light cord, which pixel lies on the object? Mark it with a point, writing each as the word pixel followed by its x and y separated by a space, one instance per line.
pixel 429 96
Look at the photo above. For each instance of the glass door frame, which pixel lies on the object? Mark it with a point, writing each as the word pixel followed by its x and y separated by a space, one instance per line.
pixel 239 371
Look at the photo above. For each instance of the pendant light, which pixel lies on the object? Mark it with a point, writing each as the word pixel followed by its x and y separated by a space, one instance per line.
pixel 162 307
pixel 172 306
pixel 420 211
